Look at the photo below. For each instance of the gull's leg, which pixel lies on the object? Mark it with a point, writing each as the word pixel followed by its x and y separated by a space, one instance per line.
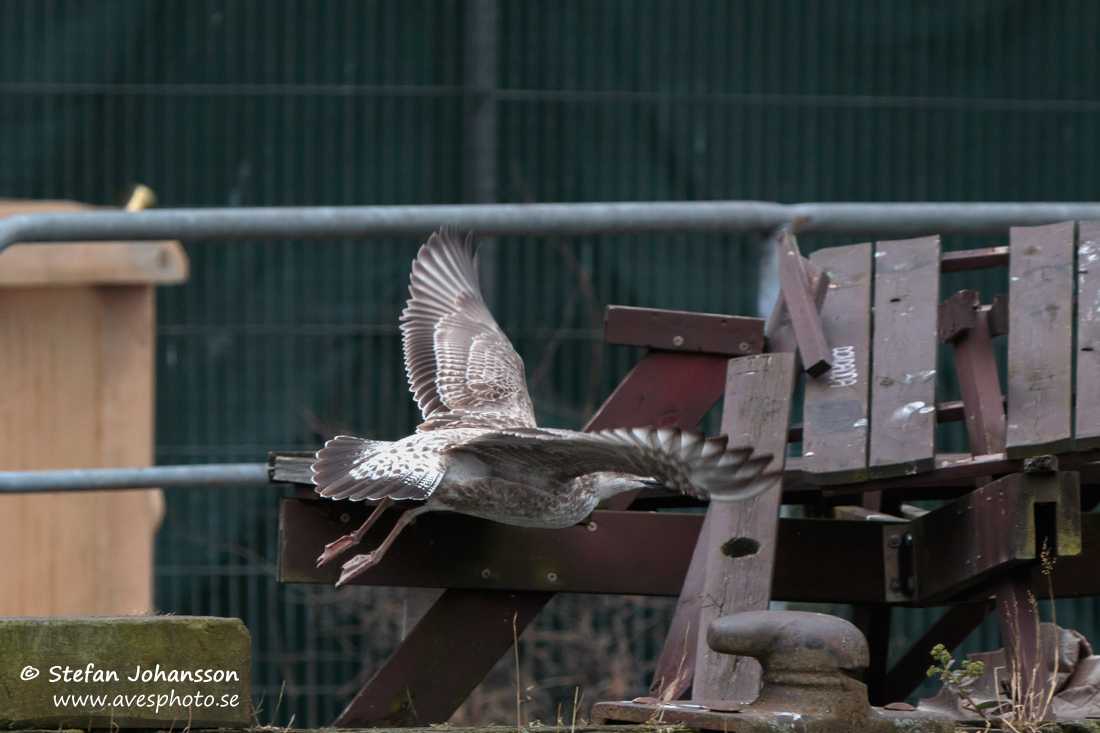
pixel 348 541
pixel 360 563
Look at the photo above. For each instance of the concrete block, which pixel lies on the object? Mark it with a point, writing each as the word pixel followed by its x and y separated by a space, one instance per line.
pixel 124 671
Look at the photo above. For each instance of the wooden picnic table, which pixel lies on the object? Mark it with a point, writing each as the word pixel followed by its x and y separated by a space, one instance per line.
pixel 857 337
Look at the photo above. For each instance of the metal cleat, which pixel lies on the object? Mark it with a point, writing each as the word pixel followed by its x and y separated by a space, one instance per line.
pixel 809 661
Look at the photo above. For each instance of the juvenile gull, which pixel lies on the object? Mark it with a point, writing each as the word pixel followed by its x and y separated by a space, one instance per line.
pixel 479 451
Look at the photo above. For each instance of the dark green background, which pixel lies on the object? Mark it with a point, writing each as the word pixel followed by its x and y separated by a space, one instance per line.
pixel 276 345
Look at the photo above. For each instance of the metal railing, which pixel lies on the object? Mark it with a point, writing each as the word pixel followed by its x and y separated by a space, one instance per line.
pixel 579 219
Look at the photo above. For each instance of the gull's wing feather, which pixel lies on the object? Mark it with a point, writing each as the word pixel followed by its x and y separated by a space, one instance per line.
pixel 686 461
pixel 371 470
pixel 462 369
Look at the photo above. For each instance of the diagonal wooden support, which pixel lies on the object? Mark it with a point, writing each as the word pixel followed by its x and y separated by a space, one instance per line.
pixel 966 326
pixel 799 299
pixel 950 629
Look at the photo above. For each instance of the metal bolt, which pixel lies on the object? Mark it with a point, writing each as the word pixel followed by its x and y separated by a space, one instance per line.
pixel 592 526
pixel 345 518
pixel 486 573
pixel 895 586
pixel 552 577
pixel 744 346
pixel 677 340
pixel 894 541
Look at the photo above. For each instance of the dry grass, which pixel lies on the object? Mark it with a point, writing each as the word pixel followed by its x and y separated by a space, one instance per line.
pixel 1029 697
pixel 581 649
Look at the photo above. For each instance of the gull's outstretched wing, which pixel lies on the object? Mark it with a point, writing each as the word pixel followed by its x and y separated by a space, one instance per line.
pixel 462 369
pixel 688 462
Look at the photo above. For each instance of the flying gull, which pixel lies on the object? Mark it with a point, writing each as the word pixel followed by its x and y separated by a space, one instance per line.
pixel 479 451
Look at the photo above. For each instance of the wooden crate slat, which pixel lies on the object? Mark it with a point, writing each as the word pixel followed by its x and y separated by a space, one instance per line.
pixel 1087 432
pixel 834 438
pixel 906 341
pixel 756 413
pixel 1040 307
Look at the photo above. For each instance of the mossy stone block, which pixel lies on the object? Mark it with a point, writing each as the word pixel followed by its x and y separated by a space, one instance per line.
pixel 124 672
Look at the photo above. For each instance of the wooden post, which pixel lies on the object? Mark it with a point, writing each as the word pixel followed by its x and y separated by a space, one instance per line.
pixel 76 391
pixel 756 413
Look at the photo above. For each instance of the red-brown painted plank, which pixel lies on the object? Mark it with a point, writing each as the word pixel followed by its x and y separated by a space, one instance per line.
pixel 444 550
pixel 834 437
pixel 1040 342
pixel 683 332
pixel 906 340
pixel 443 659
pixel 1087 432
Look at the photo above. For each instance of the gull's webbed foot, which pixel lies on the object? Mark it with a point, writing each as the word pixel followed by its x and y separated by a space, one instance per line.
pixel 357 565
pixel 337 548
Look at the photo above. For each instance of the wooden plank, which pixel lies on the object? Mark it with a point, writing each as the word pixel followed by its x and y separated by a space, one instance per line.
pixel 681 331
pixel 974 259
pixel 812 346
pixel 906 339
pixel 105 263
pixel 443 550
pixel 76 373
pixel 1087 429
pixel 1040 344
pixel 966 325
pixel 779 332
pixel 834 437
pixel 756 413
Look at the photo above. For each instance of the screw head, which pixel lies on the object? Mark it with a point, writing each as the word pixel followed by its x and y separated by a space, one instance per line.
pixel 552 577
pixel 486 573
pixel 592 526
pixel 744 345
pixel 894 541
pixel 677 340
pixel 895 586
pixel 345 518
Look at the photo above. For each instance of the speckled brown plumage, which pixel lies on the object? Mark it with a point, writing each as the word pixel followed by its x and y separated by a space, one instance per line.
pixel 479 451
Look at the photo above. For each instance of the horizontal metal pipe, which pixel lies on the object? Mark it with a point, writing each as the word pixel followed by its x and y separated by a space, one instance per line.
pixel 98 479
pixel 665 217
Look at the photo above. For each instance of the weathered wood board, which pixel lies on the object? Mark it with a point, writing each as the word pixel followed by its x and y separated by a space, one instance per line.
pixel 1087 429
pixel 756 413
pixel 1040 340
pixel 834 437
pixel 906 340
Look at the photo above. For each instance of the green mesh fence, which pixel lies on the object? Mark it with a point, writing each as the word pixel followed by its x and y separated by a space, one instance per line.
pixel 277 345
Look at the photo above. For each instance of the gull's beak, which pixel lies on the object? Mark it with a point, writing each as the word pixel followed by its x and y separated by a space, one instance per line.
pixel 652 483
